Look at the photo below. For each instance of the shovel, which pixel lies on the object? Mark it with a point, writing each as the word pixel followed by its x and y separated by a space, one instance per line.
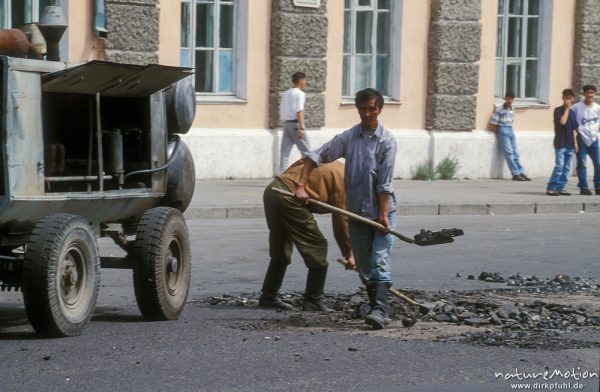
pixel 424 238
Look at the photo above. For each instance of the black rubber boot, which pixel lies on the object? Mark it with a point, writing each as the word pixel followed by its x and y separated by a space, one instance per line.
pixel 313 295
pixel 271 286
pixel 378 293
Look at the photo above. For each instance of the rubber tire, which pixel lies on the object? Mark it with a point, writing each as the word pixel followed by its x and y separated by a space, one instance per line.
pixel 52 239
pixel 158 230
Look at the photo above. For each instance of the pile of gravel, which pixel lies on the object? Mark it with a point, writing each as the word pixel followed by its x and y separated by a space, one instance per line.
pixel 560 283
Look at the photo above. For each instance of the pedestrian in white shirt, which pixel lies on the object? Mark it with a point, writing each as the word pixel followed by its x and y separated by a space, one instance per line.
pixel 587 113
pixel 291 112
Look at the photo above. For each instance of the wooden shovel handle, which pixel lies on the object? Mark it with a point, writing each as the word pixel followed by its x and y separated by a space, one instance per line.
pixel 350 215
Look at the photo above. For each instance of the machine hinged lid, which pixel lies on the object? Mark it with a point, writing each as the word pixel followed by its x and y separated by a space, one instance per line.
pixel 113 79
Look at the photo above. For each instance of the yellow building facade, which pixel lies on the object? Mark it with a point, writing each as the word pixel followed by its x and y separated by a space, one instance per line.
pixel 442 65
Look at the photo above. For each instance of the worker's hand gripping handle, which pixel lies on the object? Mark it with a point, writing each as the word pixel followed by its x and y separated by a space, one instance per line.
pixel 350 215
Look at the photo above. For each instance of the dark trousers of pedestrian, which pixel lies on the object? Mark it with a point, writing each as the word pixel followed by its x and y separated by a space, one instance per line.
pixel 593 151
pixel 291 224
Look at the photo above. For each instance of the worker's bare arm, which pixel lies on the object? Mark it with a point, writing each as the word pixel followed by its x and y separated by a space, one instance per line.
pixel 384 203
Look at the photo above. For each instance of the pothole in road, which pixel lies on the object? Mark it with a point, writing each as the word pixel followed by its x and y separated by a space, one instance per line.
pixel 541 315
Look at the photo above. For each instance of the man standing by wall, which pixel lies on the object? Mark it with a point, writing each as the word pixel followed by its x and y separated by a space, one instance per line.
pixel 291 111
pixel 370 152
pixel 502 124
pixel 588 120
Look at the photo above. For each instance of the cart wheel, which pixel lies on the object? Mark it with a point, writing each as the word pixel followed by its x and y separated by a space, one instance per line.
pixel 61 275
pixel 161 263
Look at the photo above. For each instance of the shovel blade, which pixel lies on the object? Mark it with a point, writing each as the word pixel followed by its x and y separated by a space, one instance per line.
pixel 454 232
pixel 434 241
pixel 445 236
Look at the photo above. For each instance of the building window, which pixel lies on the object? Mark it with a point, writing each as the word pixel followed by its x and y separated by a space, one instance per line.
pixel 100 19
pixel 16 13
pixel 208 43
pixel 368 38
pixel 520 58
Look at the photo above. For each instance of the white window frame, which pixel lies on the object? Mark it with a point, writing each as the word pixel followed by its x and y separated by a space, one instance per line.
pixel 393 93
pixel 7 5
pixel 239 94
pixel 7 20
pixel 543 58
pixel 35 16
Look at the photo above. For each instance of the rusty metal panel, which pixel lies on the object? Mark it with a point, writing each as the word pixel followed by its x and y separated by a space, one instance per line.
pixel 24 137
pixel 113 79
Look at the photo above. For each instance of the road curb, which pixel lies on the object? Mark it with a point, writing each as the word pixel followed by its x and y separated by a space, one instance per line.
pixel 257 211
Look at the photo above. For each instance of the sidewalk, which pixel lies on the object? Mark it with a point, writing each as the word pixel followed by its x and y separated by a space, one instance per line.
pixel 242 198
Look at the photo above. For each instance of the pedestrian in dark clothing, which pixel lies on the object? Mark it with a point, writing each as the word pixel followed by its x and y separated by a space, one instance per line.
pixel 565 145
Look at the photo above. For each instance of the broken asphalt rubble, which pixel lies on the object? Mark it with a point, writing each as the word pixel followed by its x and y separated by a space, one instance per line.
pixel 529 312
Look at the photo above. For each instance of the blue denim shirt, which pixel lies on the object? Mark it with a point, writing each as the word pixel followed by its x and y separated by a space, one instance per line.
pixel 369 167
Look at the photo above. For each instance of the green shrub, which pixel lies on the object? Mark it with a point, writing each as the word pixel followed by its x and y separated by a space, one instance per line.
pixel 447 168
pixel 424 172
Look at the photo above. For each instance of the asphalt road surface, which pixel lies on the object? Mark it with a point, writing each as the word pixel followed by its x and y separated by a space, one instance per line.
pixel 243 348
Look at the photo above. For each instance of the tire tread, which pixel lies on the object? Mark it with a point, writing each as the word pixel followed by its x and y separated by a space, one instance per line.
pixel 147 250
pixel 41 256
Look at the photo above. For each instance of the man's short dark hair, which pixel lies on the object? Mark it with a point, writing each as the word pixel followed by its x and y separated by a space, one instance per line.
pixel 298 76
pixel 510 94
pixel 568 93
pixel 368 94
pixel 589 87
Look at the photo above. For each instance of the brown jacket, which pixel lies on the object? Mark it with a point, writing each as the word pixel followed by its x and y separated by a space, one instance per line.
pixel 325 184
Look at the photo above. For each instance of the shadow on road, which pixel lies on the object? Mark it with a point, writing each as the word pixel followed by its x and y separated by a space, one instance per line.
pixel 19 335
pixel 111 315
pixel 12 318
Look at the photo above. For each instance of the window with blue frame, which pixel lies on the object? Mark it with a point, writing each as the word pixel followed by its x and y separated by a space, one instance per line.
pixel 100 19
pixel 208 43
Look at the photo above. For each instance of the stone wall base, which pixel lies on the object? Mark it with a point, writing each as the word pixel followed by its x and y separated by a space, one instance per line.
pixel 254 153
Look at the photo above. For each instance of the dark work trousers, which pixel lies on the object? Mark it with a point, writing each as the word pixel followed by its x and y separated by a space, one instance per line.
pixel 292 224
